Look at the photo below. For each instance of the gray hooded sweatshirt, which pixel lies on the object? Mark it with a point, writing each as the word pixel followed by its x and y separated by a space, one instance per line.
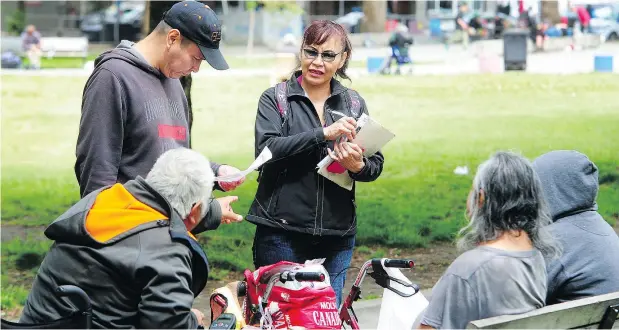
pixel 131 114
pixel 589 265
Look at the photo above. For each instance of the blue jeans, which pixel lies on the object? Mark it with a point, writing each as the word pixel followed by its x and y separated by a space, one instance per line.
pixel 272 245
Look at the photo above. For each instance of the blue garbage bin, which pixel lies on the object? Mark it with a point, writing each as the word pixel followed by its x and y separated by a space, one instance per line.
pixel 603 63
pixel 435 27
pixel 374 64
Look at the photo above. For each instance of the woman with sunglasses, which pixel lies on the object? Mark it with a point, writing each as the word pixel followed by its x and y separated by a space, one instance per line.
pixel 299 214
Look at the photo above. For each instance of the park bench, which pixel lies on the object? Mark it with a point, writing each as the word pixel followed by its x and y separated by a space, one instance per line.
pixel 599 312
pixel 76 47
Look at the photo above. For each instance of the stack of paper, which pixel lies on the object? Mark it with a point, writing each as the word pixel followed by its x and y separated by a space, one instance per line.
pixel 371 138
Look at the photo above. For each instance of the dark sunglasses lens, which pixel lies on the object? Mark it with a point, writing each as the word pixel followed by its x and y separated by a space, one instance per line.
pixel 328 57
pixel 310 53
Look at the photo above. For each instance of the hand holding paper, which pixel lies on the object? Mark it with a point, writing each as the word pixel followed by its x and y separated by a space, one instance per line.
pixel 226 170
pixel 348 155
pixel 264 156
pixel 370 138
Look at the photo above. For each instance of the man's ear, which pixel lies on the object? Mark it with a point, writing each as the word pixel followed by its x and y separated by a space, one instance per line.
pixel 196 211
pixel 194 216
pixel 173 36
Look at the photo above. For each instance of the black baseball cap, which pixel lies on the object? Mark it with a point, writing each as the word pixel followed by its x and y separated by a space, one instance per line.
pixel 198 23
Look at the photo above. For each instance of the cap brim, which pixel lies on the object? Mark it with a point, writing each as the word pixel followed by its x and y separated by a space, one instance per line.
pixel 214 58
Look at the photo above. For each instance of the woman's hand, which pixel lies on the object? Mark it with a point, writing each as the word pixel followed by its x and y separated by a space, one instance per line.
pixel 349 155
pixel 345 126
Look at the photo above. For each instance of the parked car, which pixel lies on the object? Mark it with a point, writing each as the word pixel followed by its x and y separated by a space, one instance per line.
pixel 99 25
pixel 605 21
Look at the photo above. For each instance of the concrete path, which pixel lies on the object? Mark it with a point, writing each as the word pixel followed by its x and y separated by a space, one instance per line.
pixel 433 59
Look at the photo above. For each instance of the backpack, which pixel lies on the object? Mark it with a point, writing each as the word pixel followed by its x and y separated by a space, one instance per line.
pixel 10 60
pixel 281 97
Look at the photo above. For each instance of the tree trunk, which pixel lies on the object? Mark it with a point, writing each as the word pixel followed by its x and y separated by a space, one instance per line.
pixel 252 28
pixel 186 82
pixel 17 23
pixel 154 14
pixel 375 16
pixel 146 21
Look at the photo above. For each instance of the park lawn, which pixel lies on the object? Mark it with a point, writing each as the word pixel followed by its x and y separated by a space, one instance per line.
pixel 440 123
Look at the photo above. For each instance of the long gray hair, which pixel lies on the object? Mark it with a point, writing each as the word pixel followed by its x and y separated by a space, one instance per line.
pixel 507 195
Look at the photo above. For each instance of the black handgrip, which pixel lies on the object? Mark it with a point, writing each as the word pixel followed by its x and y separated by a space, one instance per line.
pixel 399 263
pixel 241 289
pixel 83 301
pixel 310 276
pixel 71 291
pixel 302 276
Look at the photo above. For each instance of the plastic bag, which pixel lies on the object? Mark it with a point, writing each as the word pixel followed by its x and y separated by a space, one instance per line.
pixel 398 312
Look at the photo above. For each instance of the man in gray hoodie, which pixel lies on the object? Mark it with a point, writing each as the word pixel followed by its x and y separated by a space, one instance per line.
pixel 589 265
pixel 134 107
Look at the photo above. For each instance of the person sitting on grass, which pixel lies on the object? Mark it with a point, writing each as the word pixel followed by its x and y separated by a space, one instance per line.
pixel 503 271
pixel 129 247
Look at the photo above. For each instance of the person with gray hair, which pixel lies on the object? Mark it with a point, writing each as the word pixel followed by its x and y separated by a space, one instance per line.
pixel 130 248
pixel 589 265
pixel 503 270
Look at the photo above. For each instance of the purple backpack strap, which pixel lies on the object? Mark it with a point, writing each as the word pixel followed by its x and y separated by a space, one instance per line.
pixel 281 98
pixel 355 103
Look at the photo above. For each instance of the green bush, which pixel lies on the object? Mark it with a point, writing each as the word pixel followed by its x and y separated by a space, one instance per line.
pixel 13 296
pixel 16 23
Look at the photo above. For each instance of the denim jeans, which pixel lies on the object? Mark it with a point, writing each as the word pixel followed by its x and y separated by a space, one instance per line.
pixel 272 245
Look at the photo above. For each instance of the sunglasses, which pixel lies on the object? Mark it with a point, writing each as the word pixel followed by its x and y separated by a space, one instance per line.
pixel 327 56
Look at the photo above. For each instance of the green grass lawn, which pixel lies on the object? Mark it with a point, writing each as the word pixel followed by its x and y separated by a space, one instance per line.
pixel 439 122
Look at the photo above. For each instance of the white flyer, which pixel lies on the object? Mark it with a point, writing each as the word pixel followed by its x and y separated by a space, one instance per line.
pixel 264 157
pixel 372 136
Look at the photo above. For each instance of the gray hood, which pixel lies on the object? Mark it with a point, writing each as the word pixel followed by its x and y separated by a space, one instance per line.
pixel 125 51
pixel 569 180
